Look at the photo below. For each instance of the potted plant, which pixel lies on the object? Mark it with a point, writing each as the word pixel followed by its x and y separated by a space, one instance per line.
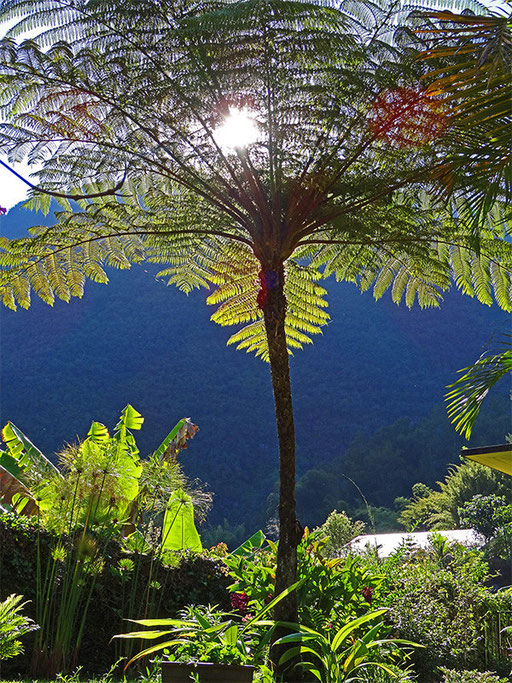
pixel 216 649
pixel 209 645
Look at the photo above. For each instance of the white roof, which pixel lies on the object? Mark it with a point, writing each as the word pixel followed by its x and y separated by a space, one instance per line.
pixel 386 544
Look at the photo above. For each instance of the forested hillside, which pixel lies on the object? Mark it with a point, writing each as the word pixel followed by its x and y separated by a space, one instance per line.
pixel 368 393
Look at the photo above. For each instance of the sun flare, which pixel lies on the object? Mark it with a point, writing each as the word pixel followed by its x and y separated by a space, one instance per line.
pixel 238 130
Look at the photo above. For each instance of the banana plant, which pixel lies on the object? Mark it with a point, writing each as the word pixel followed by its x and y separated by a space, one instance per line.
pixel 22 468
pixel 98 480
pixel 14 495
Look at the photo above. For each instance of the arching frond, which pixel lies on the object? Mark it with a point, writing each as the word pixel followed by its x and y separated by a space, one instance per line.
pixel 339 181
pixel 469 56
pixel 468 392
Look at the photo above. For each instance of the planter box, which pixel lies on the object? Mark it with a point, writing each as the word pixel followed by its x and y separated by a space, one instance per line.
pixel 176 672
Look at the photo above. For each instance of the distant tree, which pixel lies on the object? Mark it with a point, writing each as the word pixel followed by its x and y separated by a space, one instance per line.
pixel 441 508
pixel 486 514
pixel 254 147
pixel 339 529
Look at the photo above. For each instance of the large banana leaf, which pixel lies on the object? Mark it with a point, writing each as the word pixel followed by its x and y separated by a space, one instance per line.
pixel 179 531
pixel 98 433
pixel 255 541
pixel 27 456
pixel 130 419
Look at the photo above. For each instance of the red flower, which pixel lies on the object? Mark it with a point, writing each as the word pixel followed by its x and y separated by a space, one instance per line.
pixel 367 594
pixel 240 602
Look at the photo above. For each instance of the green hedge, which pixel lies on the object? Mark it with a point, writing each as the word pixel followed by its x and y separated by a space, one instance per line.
pixel 195 579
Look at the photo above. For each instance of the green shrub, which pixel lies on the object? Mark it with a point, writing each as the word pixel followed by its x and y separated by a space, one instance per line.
pixel 339 529
pixel 333 590
pixel 439 599
pixel 452 676
pixel 380 676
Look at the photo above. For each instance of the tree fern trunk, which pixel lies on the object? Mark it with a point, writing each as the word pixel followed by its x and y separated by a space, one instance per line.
pixel 274 310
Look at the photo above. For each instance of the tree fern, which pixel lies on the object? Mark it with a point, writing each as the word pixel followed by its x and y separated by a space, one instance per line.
pixel 122 103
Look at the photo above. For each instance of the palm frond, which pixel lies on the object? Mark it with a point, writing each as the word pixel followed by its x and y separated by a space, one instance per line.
pixel 467 394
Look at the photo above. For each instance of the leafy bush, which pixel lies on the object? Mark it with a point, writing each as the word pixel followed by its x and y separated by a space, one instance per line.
pixel 486 514
pixel 13 625
pixel 396 675
pixel 452 676
pixel 332 590
pixel 439 599
pixel 339 529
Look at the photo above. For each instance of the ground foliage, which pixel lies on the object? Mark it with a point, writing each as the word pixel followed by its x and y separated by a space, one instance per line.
pixel 440 599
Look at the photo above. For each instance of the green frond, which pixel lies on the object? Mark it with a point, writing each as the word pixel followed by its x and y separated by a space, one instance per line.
pixel 384 279
pixel 502 285
pixel 461 267
pixel 252 338
pixel 128 92
pixel 466 395
pixel 237 296
pixel 480 268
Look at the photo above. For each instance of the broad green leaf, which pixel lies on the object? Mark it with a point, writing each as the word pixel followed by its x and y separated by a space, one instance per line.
pixel 130 419
pixel 145 635
pixel 178 623
pixel 179 531
pixel 12 491
pixel 230 637
pixel 11 465
pixel 26 454
pixel 272 603
pixel 130 470
pixel 150 650
pixel 98 433
pixel 161 449
pixel 177 439
pixel 255 541
pixel 294 651
pixel 353 625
